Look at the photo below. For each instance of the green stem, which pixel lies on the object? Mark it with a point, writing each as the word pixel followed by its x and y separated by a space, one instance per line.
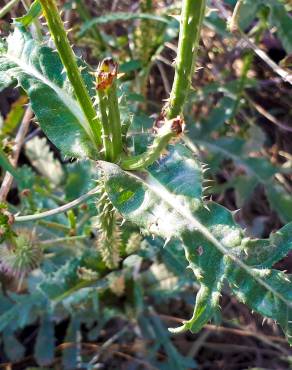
pixel 59 35
pixel 153 153
pixel 54 225
pixel 106 135
pixel 6 9
pixel 63 240
pixel 109 109
pixel 115 121
pixel 190 27
pixel 36 27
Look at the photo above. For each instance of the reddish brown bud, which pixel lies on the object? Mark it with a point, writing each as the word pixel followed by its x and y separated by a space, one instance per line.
pixel 84 207
pixel 178 125
pixel 106 73
pixel 25 193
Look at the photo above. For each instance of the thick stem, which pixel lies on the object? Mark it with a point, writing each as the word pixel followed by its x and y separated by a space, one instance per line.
pixel 115 121
pixel 109 109
pixel 190 27
pixel 59 35
pixel 106 134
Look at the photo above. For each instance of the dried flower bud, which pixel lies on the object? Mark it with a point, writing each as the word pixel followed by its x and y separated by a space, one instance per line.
pixel 178 125
pixel 106 73
pixel 25 193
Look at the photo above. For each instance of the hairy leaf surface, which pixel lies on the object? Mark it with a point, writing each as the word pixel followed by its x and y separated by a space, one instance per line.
pixel 167 200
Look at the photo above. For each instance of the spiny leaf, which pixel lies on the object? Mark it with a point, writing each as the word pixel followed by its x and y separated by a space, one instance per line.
pixel 275 302
pixel 38 70
pixel 166 200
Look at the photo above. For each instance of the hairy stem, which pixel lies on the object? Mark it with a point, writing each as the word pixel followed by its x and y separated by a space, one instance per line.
pixel 109 236
pixel 59 35
pixel 190 27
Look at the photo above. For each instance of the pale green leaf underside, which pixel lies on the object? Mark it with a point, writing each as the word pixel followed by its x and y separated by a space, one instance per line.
pixel 167 201
pixel 39 71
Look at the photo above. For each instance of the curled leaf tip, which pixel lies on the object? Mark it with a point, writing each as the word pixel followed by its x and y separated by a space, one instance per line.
pixel 178 330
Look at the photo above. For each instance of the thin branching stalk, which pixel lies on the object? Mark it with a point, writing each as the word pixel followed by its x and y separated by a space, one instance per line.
pixel 59 35
pixel 67 239
pixel 35 24
pixel 190 27
pixel 62 209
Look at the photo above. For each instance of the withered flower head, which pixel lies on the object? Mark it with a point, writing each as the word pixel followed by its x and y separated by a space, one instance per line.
pixel 106 73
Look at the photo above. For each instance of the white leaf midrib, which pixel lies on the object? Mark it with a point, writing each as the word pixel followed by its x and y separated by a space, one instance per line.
pixel 67 100
pixel 155 186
